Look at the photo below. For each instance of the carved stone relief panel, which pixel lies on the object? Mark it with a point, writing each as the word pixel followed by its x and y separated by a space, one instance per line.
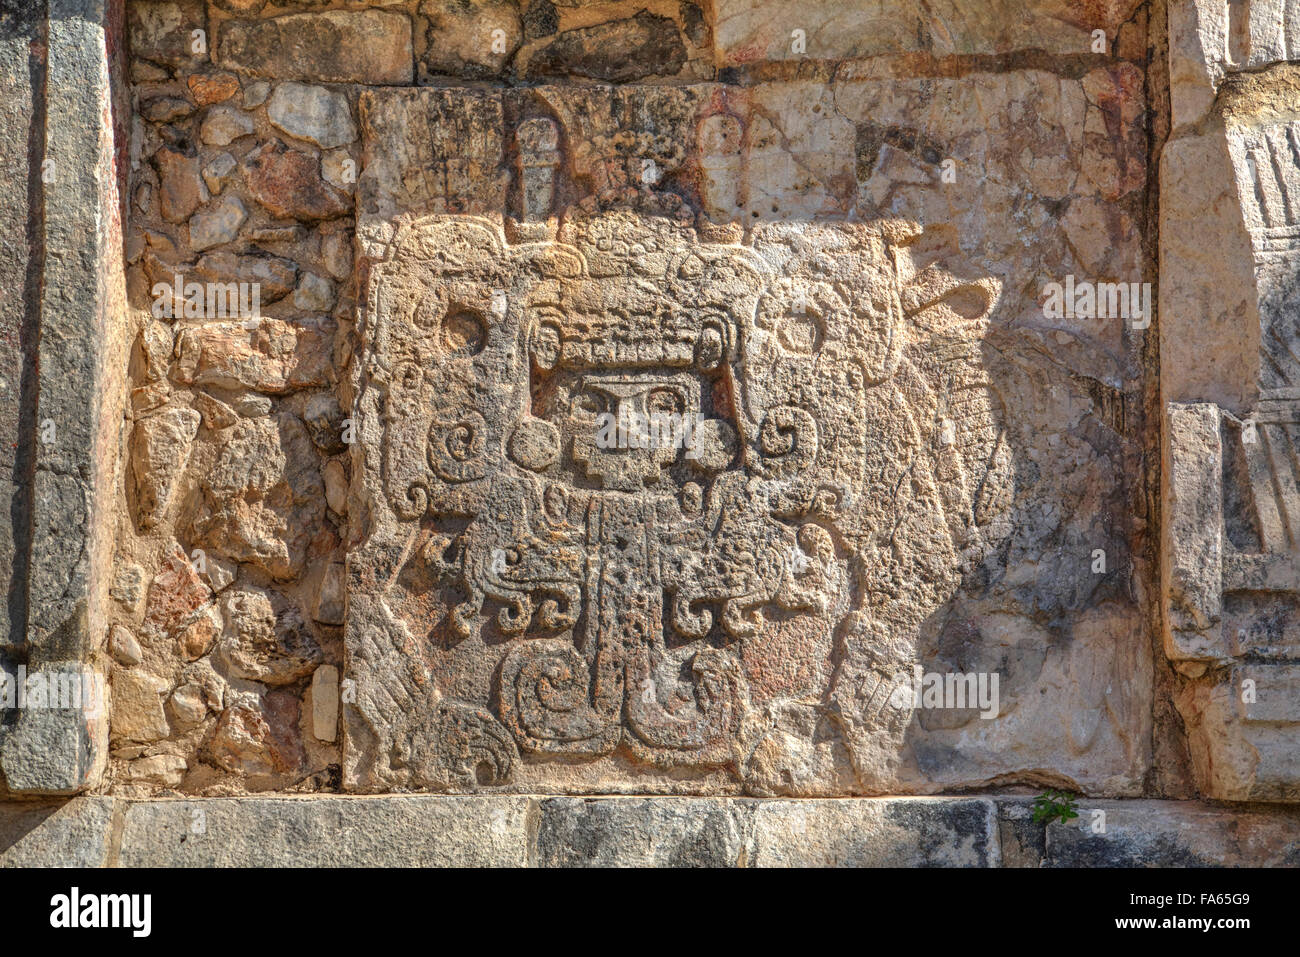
pixel 663 482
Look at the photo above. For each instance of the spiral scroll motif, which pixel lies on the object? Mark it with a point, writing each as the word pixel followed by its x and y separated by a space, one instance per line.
pixel 787 439
pixel 546 700
pixel 457 445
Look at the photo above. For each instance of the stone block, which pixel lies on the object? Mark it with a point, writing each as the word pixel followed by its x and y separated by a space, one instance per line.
pixel 396 831
pixel 75 833
pixel 333 46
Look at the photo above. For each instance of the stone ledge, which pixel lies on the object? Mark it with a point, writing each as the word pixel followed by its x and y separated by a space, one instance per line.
pixel 1176 834
pixel 76 833
pixel 391 831
pixel 442 831
pixel 738 832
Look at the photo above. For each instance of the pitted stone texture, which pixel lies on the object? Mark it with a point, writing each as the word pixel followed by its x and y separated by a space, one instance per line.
pixel 264 499
pixel 75 833
pixel 1174 834
pixel 430 831
pixel 312 113
pixel 58 749
pixel 20 104
pixel 161 30
pixel 160 450
pixel 706 832
pixel 328 832
pixel 1231 375
pixel 871 485
pixel 886 833
pixel 76 387
pixel 333 46
pixel 747 31
pixel 642 832
pixel 616 52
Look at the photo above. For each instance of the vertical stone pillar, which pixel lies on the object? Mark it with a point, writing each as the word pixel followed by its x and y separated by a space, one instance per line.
pixel 73 402
pixel 22 71
pixel 1230 377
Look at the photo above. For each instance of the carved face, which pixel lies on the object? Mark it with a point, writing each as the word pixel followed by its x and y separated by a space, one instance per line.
pixel 632 386
pixel 617 379
pixel 628 428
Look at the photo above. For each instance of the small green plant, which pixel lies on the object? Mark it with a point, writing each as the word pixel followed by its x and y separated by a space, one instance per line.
pixel 1054 805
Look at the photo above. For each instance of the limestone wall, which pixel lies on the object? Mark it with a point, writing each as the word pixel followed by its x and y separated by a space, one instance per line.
pixel 972 318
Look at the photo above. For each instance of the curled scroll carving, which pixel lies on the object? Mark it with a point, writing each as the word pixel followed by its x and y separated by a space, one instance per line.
pixel 643 461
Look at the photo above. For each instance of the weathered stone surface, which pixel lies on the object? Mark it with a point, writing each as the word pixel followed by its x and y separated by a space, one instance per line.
pixel 1021 839
pixel 617 52
pixel 1173 834
pixel 157 770
pixel 627 832
pixel 138 707
pixel 472 40
pixel 286 832
pixel 314 293
pixel 268 355
pixel 217 172
pixel 339 169
pixel 165 109
pixel 1194 529
pixel 1230 374
pixel 175 593
pixel 182 188
pixel 225 124
pixel 950 833
pixel 123 646
pixel 336 486
pixel 76 340
pixel 73 833
pixel 128 585
pixel 336 251
pixel 202 631
pixel 58 750
pixel 161 30
pixel 160 450
pixel 257 736
pixel 20 104
pixel 275 276
pixel 864 493
pixel 683 832
pixel 265 638
pixel 255 94
pixel 330 600
pixel 326 423
pixel 288 183
pixel 263 498
pixel 638 832
pixel 838 233
pixel 334 46
pixel 218 224
pixel 312 113
pixel 325 702
pixel 747 31
pixel 212 88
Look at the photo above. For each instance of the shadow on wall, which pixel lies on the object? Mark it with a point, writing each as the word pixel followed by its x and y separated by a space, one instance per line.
pixel 907 462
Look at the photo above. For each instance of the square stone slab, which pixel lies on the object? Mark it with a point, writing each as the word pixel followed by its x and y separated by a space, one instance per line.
pixel 671 480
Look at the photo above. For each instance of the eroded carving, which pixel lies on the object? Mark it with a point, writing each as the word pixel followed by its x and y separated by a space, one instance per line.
pixel 613 465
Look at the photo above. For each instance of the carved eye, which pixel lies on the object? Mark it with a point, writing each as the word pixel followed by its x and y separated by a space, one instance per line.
pixel 663 402
pixel 464 333
pixel 802 334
